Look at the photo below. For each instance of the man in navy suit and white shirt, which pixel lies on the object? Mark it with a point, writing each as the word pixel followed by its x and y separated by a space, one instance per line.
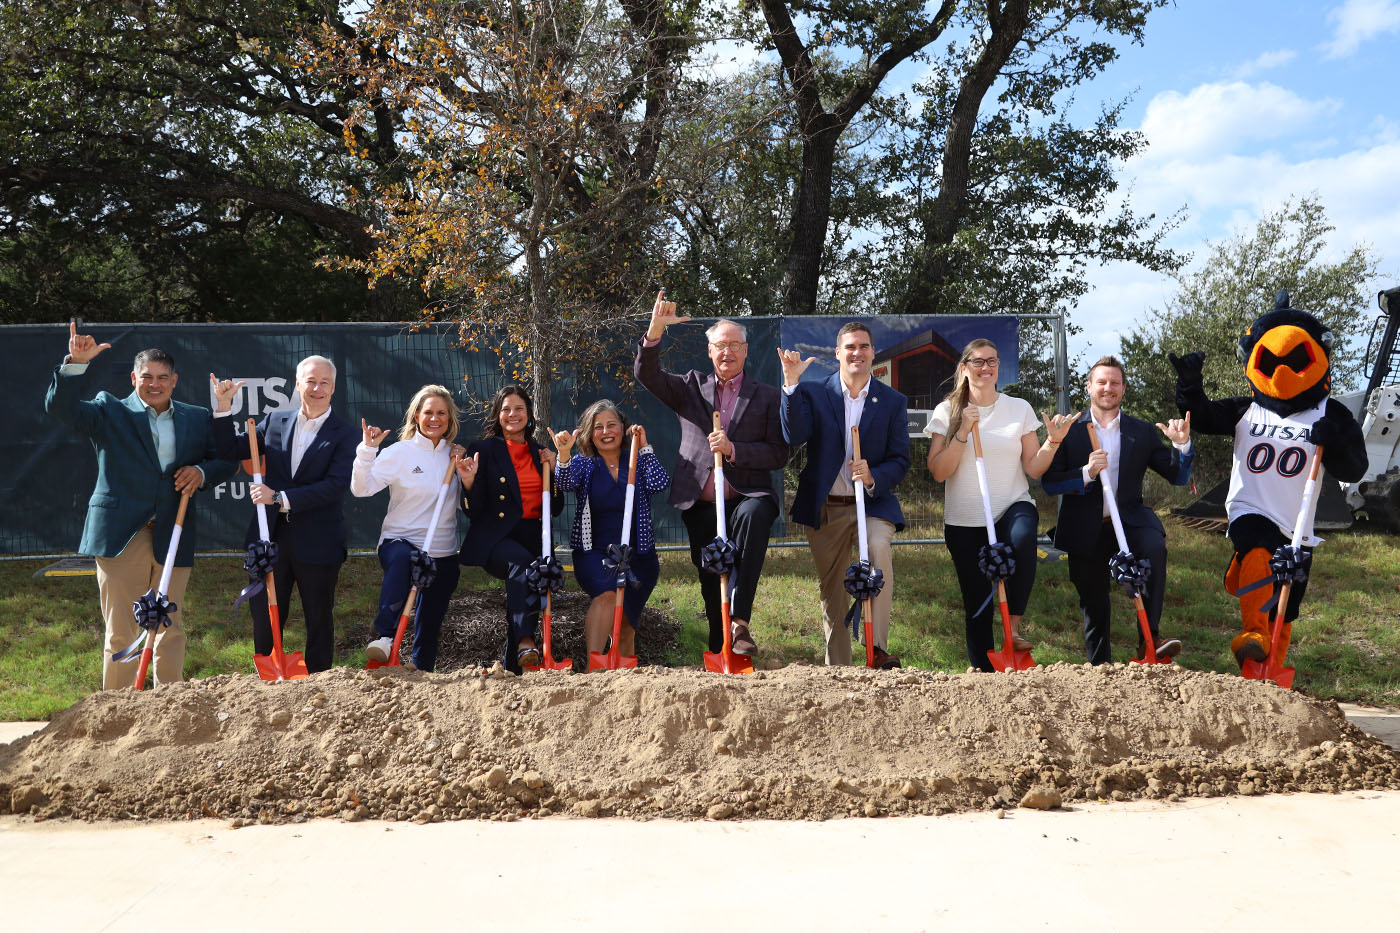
pixel 309 454
pixel 820 415
pixel 1127 448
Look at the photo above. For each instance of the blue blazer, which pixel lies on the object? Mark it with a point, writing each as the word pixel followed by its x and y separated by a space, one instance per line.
pixel 494 503
pixel 131 487
pixel 815 415
pixel 316 491
pixel 1081 509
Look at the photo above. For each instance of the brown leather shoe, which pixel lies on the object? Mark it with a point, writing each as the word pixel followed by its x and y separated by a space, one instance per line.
pixel 1020 644
pixel 740 641
pixel 885 661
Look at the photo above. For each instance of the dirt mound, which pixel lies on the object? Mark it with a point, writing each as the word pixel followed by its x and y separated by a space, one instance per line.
pixel 798 743
pixel 473 631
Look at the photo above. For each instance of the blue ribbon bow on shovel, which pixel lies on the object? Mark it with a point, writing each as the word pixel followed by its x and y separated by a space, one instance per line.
pixel 542 575
pixel 863 581
pixel 997 562
pixel 1132 572
pixel 152 612
pixel 1288 564
pixel 618 563
pixel 261 558
pixel 719 557
pixel 422 568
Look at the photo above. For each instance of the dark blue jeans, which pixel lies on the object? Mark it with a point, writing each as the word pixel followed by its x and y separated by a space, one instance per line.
pixel 508 561
pixel 394 556
pixel 1016 527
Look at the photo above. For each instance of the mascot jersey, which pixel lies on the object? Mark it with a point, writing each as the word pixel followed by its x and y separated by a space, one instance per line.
pixel 1271 466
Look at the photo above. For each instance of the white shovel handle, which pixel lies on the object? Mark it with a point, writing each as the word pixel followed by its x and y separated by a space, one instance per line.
pixel 1110 498
pixel 982 485
pixel 437 507
pixel 721 524
pixel 862 538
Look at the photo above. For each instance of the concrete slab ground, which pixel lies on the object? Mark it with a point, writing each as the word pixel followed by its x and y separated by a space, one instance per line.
pixel 1201 864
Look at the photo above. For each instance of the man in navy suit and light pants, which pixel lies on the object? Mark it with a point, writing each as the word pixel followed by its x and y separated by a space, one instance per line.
pixel 150 450
pixel 309 454
pixel 820 415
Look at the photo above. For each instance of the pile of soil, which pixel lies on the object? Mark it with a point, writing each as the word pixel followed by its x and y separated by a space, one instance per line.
pixel 797 743
pixel 473 631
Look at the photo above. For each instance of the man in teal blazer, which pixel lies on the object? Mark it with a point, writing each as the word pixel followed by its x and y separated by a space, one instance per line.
pixel 150 450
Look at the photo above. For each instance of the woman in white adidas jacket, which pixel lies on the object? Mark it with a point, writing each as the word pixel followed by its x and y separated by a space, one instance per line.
pixel 412 470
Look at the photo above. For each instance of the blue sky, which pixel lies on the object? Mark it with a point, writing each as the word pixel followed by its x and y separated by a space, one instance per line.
pixel 1245 104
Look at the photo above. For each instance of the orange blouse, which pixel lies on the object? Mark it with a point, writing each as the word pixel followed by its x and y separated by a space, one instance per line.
pixel 531 486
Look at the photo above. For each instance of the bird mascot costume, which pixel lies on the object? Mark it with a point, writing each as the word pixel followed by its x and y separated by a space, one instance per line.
pixel 1286 359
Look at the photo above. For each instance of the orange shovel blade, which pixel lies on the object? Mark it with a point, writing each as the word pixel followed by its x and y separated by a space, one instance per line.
pixel 293 666
pixel 1009 659
pixel 727 662
pixel 1252 670
pixel 610 660
pixel 1283 676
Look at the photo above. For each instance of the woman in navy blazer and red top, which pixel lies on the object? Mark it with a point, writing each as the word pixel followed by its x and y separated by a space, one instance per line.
pixel 503 500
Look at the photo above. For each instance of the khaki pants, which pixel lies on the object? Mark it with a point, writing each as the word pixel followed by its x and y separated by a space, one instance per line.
pixel 834 546
pixel 121 580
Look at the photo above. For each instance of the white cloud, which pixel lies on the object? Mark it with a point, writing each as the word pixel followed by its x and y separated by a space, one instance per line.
pixel 1358 20
pixel 1217 117
pixel 1266 61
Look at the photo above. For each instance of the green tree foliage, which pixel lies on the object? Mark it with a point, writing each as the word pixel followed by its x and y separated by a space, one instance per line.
pixel 980 190
pixel 170 160
pixel 1236 283
pixel 538 154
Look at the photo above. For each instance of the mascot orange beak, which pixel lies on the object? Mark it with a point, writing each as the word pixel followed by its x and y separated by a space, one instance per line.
pixel 1286 362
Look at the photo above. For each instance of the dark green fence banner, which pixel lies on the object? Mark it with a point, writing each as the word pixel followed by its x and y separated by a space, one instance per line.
pixel 48 471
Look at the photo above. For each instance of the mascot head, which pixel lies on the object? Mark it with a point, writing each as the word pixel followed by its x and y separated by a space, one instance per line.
pixel 1286 357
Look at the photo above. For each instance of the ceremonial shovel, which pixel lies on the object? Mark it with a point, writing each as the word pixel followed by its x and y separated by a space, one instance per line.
pixel 278 666
pixel 613 658
pixel 726 661
pixel 1008 658
pixel 411 602
pixel 154 606
pixel 546 564
pixel 1271 668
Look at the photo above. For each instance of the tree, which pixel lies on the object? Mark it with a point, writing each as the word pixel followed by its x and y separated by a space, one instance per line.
pixel 1031 53
pixel 1236 283
pixel 174 137
pixel 536 162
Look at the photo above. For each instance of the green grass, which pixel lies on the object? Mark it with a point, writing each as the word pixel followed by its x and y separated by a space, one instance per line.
pixel 1345 646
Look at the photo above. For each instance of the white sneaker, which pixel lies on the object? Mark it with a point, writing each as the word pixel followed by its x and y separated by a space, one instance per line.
pixel 379 649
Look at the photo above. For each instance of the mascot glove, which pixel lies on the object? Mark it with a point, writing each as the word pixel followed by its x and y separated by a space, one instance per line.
pixel 1188 366
pixel 1326 432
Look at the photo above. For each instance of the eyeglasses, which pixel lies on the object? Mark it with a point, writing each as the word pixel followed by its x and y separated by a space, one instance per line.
pixel 982 363
pixel 731 345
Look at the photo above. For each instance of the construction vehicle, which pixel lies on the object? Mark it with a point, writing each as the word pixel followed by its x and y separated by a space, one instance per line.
pixel 1376 496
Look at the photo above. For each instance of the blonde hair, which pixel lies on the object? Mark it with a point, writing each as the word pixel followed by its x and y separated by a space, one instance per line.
pixel 415 406
pixel 962 388
pixel 590 415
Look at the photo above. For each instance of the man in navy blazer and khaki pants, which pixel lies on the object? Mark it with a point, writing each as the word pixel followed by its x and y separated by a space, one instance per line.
pixel 820 415
pixel 150 450
pixel 750 441
pixel 309 454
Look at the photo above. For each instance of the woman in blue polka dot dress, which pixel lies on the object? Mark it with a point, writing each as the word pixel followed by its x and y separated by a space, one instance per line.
pixel 597 475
